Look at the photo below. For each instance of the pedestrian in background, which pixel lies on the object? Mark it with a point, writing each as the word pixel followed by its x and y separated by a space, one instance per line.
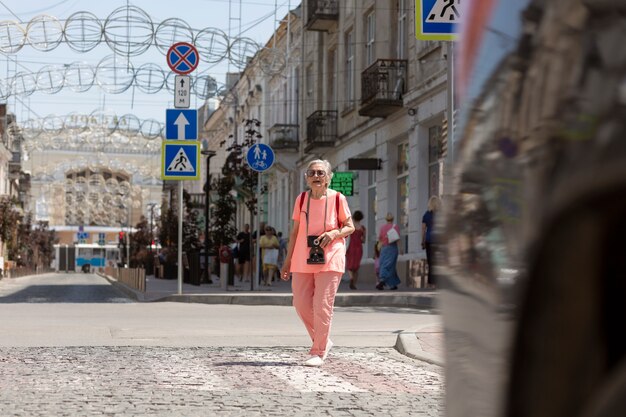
pixel 355 249
pixel 316 255
pixel 258 262
pixel 282 249
pixel 389 237
pixel 269 254
pixel 377 246
pixel 428 220
pixel 243 239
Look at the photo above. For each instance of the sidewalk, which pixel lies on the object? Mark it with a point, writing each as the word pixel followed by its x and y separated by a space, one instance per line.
pixel 278 294
pixel 424 343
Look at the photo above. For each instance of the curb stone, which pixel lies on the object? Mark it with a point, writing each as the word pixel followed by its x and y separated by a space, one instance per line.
pixel 408 345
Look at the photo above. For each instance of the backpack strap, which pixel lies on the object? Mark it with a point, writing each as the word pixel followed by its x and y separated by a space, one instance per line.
pixel 302 199
pixel 337 208
pixel 303 195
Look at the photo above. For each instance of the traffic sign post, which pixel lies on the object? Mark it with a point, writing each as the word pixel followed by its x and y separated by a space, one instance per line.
pixel 181 124
pixel 437 20
pixel 260 158
pixel 182 58
pixel 179 158
pixel 182 91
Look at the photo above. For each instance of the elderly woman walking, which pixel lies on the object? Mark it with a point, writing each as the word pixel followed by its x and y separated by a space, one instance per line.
pixel 316 255
pixel 389 237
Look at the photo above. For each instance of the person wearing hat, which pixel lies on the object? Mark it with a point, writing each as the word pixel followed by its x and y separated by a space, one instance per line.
pixel 389 236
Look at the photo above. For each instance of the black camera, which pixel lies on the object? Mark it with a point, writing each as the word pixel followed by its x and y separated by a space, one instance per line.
pixel 316 254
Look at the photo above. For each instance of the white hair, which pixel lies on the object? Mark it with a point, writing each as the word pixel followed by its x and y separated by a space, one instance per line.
pixel 327 167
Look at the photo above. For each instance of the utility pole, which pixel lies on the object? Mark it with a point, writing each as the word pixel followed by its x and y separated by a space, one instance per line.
pixel 209 154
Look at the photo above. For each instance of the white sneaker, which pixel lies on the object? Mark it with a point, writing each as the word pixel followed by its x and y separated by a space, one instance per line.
pixel 314 361
pixel 329 346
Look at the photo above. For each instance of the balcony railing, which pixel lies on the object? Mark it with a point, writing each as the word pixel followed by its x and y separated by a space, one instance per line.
pixel 197 200
pixel 321 130
pixel 284 137
pixel 382 87
pixel 322 15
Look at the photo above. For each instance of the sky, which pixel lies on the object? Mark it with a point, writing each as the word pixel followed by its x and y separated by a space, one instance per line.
pixel 254 19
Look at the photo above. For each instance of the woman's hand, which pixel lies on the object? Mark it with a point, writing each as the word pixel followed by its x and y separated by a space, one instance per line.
pixel 327 237
pixel 284 273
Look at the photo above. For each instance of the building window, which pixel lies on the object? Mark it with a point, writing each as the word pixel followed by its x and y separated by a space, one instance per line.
pixel 372 233
pixel 309 89
pixel 285 114
pixel 434 160
pixel 296 96
pixel 403 193
pixel 349 69
pixel 332 79
pixel 370 36
pixel 349 7
pixel 402 27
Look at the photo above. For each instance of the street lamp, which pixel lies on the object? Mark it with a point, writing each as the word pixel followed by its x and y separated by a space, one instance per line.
pixel 151 207
pixel 207 188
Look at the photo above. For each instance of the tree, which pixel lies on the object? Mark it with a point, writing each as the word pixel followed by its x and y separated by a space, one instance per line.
pixel 9 224
pixel 36 243
pixel 168 234
pixel 222 222
pixel 191 239
pixel 139 242
pixel 237 175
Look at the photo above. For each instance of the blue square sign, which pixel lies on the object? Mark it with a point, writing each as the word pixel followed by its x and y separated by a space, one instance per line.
pixel 437 20
pixel 181 124
pixel 180 160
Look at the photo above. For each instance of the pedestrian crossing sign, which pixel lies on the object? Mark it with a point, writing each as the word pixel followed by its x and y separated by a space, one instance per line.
pixel 437 20
pixel 180 160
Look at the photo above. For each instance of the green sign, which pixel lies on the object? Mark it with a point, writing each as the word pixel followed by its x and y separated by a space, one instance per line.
pixel 343 182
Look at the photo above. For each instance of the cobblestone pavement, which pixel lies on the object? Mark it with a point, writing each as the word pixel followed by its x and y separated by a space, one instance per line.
pixel 164 381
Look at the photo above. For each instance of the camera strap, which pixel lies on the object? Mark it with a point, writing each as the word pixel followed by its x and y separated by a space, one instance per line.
pixel 308 204
pixel 303 196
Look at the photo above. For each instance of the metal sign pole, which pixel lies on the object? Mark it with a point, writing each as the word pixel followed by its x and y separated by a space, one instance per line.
pixel 448 181
pixel 180 238
pixel 259 261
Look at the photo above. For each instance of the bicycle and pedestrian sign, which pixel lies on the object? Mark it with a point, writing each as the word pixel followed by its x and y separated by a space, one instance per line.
pixel 180 160
pixel 437 20
pixel 260 157
pixel 182 58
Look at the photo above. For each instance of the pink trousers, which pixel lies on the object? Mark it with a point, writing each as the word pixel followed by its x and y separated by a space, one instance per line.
pixel 314 298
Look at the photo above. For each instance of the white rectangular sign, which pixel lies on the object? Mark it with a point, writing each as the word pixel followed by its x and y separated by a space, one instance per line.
pixel 182 91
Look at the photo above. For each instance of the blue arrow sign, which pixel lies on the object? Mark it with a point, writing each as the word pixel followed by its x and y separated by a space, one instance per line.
pixel 437 19
pixel 180 160
pixel 260 157
pixel 181 124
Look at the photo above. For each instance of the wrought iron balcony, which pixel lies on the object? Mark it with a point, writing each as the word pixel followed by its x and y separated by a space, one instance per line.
pixel 322 15
pixel 382 87
pixel 197 200
pixel 321 130
pixel 284 137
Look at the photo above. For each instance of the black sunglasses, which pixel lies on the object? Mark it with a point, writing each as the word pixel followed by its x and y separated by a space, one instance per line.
pixel 319 172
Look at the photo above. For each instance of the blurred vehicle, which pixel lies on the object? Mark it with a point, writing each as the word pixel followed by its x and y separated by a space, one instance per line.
pixel 532 257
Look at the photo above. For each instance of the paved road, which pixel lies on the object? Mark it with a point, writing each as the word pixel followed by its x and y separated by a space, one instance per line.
pixel 113 357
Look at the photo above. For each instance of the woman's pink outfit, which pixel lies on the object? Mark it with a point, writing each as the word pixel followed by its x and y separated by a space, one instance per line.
pixel 315 286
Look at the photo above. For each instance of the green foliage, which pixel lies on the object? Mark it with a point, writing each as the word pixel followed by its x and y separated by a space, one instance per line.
pixel 9 218
pixel 223 214
pixel 27 245
pixel 191 239
pixel 168 234
pixel 139 243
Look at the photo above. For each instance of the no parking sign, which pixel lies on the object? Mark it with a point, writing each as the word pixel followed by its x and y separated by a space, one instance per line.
pixel 182 58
